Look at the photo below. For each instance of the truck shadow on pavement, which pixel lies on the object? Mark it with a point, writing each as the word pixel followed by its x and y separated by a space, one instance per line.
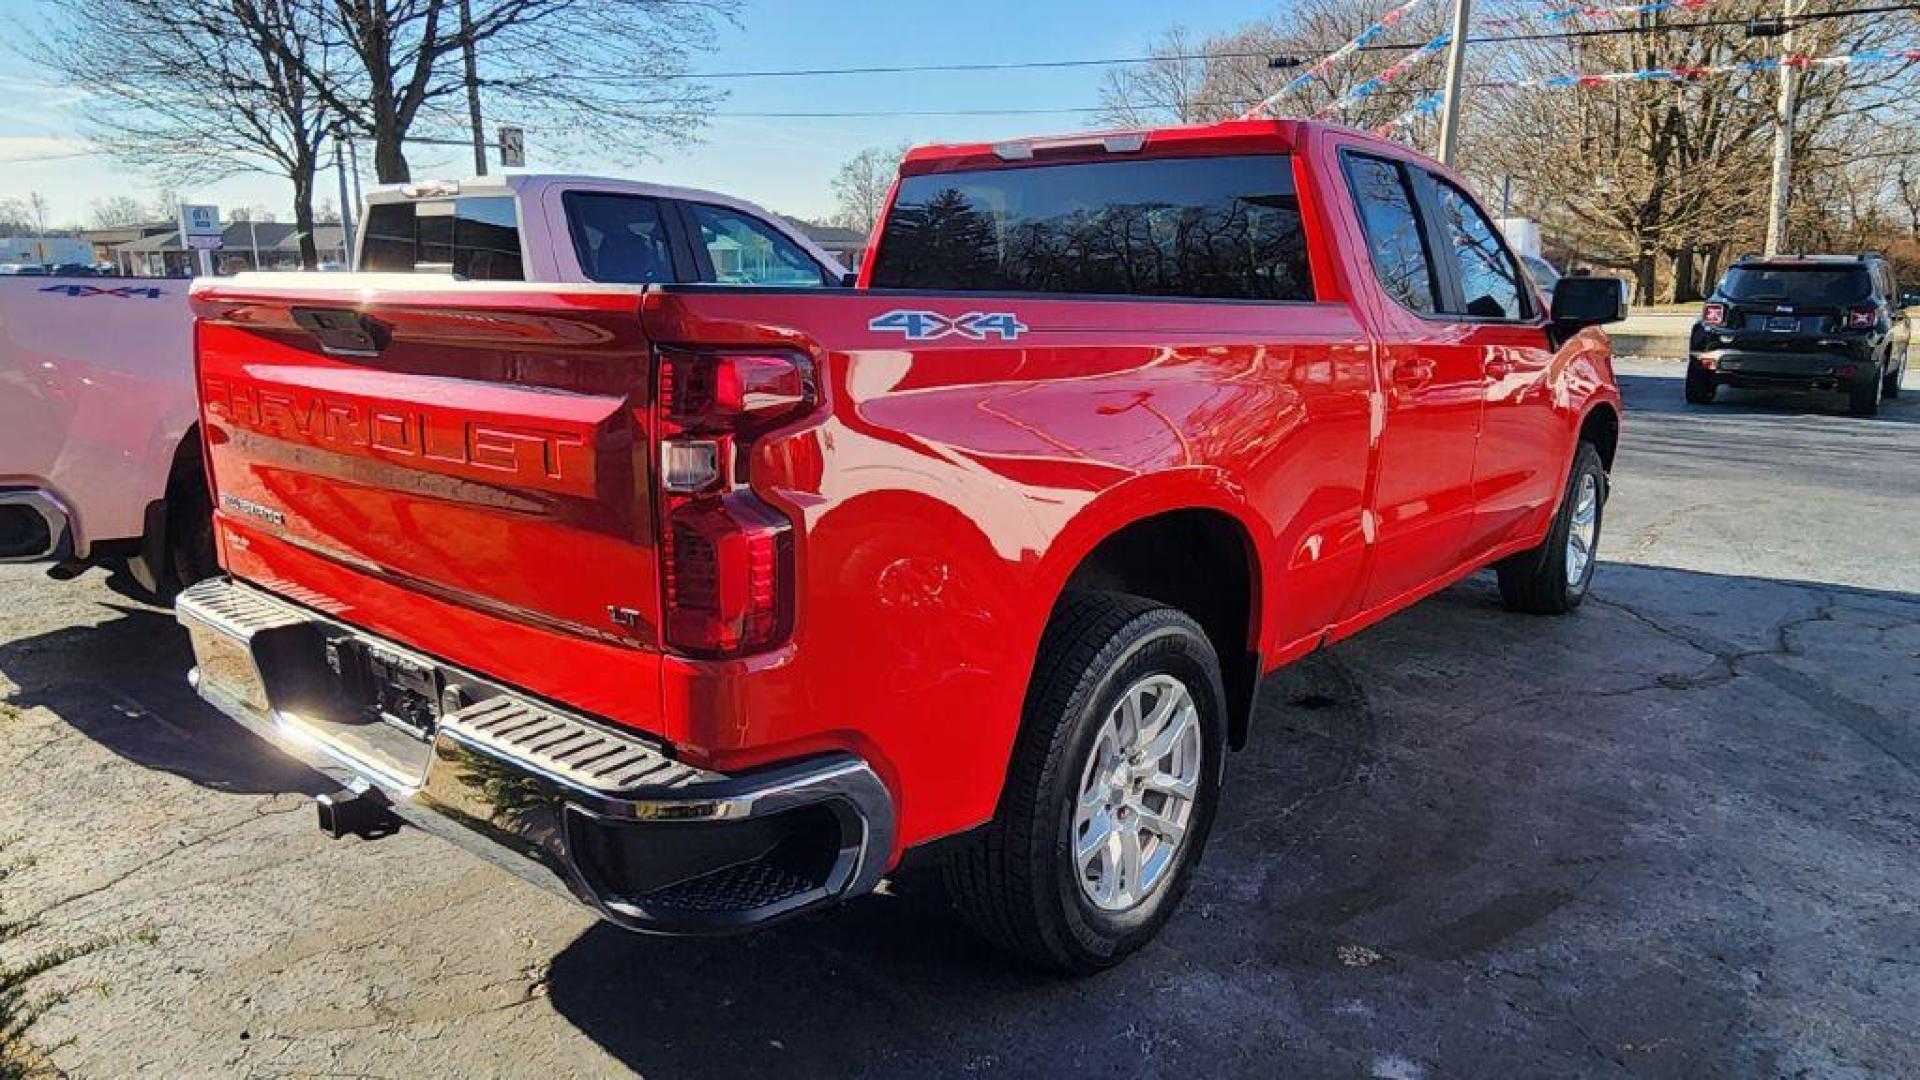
pixel 123 684
pixel 1461 843
pixel 895 983
pixel 1548 868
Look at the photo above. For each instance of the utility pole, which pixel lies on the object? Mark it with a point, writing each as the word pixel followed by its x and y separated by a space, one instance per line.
pixel 473 88
pixel 353 162
pixel 346 208
pixel 1450 106
pixel 1783 137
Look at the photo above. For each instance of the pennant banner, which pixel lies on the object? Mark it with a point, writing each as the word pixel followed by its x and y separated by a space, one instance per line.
pixel 1321 67
pixel 1386 78
pixel 1598 11
pixel 1430 104
pixel 1326 63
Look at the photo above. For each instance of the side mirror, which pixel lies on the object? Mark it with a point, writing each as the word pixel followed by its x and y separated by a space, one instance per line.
pixel 1589 301
pixel 1580 302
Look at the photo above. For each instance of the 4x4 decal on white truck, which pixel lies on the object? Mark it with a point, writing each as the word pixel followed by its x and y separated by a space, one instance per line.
pixel 123 292
pixel 931 325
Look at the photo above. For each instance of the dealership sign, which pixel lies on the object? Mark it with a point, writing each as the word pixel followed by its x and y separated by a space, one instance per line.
pixel 199 220
pixel 200 227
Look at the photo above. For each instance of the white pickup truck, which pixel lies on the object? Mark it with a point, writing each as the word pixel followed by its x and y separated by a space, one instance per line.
pixel 99 445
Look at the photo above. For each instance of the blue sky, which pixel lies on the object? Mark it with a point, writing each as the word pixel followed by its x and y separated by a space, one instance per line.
pixel 783 163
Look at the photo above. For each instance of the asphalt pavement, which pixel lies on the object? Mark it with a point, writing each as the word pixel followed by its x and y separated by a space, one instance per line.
pixel 1674 834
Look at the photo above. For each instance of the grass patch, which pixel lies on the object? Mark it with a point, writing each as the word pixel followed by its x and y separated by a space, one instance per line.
pixel 20 1009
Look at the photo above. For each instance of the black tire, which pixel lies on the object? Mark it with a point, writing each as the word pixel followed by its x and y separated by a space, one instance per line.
pixel 1535 581
pixel 190 554
pixel 1863 399
pixel 1701 386
pixel 1896 374
pixel 1016 880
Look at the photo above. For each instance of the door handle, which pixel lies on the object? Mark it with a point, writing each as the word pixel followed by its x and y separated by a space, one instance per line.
pixel 1499 367
pixel 1412 374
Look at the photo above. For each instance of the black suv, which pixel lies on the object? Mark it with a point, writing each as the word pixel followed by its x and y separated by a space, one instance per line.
pixel 1805 322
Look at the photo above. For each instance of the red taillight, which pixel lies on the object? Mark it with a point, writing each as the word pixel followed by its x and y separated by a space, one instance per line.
pixel 1862 318
pixel 1714 314
pixel 726 574
pixel 726 557
pixel 737 393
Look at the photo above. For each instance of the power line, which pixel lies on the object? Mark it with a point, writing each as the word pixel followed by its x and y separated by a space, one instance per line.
pixel 1018 65
pixel 51 157
pixel 903 69
pixel 1660 28
pixel 853 114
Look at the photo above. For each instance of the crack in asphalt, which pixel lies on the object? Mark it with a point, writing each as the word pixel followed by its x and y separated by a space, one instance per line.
pixel 1867 723
pixel 260 812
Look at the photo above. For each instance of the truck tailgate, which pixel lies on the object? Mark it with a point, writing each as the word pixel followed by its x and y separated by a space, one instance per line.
pixel 482 445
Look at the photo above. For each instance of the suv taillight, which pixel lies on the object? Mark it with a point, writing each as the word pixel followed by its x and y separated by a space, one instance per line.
pixel 726 556
pixel 1863 318
pixel 1714 314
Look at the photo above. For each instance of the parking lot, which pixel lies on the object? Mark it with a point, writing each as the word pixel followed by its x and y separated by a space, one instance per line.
pixel 1676 834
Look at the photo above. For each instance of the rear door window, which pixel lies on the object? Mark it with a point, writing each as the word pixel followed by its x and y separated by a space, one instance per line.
pixel 1814 285
pixel 620 238
pixel 1218 228
pixel 1396 240
pixel 744 250
pixel 476 238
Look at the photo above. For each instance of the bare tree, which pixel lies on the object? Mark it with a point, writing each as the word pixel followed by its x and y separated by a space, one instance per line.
pixel 1167 89
pixel 200 89
pixel 860 187
pixel 1223 75
pixel 1666 179
pixel 1663 179
pixel 37 211
pixel 165 204
pixel 16 218
pixel 117 212
pixel 606 75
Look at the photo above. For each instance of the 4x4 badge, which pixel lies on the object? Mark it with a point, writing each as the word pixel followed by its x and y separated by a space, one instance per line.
pixel 931 325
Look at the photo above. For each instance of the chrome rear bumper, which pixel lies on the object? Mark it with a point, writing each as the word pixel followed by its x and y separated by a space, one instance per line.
pixel 561 800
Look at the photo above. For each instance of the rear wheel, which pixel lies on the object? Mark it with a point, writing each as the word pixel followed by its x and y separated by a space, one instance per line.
pixel 1864 398
pixel 1700 385
pixel 190 555
pixel 1111 791
pixel 1553 578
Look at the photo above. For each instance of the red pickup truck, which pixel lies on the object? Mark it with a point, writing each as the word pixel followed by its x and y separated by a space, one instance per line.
pixel 709 603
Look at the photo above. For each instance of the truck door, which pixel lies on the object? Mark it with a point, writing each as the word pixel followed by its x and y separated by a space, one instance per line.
pixel 1501 335
pixel 1422 491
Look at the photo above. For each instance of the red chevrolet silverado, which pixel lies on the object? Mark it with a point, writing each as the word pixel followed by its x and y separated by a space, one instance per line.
pixel 709 603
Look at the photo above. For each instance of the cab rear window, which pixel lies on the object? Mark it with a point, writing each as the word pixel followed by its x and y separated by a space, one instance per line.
pixel 1798 284
pixel 1218 228
pixel 476 238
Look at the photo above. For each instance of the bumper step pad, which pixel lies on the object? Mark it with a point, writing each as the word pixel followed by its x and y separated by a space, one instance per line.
pixel 566 747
